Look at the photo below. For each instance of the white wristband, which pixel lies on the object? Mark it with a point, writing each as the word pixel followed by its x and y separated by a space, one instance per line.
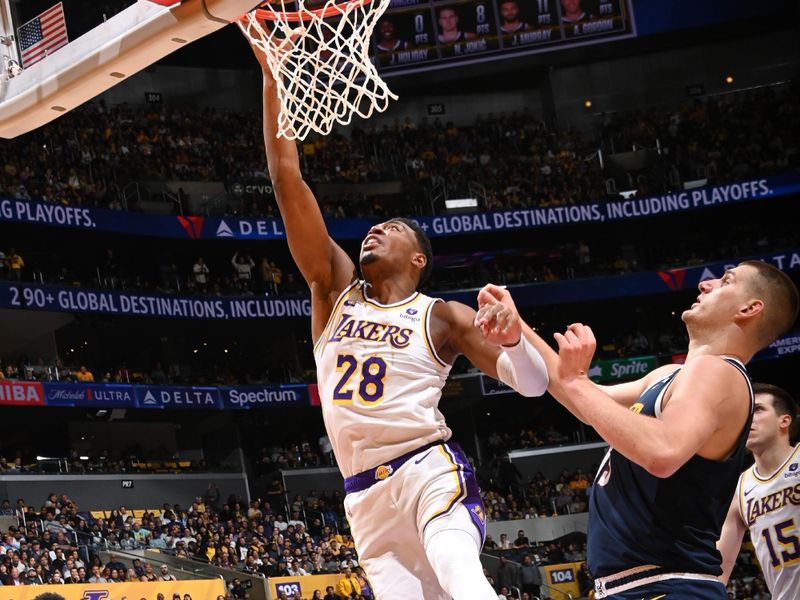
pixel 522 367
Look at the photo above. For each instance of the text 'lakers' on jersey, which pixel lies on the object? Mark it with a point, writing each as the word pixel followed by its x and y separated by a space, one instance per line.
pixel 379 379
pixel 770 507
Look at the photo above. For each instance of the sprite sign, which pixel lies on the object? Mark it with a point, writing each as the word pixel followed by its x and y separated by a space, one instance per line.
pixel 622 369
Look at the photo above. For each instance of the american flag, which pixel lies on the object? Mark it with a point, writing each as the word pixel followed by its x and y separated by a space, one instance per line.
pixel 42 35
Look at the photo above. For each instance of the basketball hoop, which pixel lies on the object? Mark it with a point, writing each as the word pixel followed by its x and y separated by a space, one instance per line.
pixel 319 58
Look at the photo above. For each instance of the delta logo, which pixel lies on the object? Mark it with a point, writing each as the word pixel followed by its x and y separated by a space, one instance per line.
pixel 21 393
pixel 674 278
pixel 193 226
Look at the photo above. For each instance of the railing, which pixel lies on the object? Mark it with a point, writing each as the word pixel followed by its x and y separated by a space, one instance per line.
pixel 552 589
pixel 194 568
pixel 437 193
pixel 131 190
pixel 477 190
pixel 175 198
pixel 218 204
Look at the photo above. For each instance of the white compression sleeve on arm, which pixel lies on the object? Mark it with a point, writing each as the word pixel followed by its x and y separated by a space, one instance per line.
pixel 523 368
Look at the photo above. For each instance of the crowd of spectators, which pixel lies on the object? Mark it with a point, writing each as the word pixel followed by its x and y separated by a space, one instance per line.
pixel 517 161
pixel 240 274
pixel 225 532
pixel 58 543
pixel 509 496
pixel 735 136
pixel 65 370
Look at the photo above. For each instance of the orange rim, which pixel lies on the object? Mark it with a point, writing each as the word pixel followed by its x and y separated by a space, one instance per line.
pixel 307 15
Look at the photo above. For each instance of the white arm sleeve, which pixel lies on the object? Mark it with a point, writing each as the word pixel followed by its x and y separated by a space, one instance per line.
pixel 523 368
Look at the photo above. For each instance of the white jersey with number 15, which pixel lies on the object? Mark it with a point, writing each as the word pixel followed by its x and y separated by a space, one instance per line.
pixel 770 507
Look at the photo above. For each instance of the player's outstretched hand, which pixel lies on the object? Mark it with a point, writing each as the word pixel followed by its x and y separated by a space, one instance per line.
pixel 280 46
pixel 575 351
pixel 497 316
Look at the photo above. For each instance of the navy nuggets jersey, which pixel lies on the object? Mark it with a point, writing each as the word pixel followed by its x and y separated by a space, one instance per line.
pixel 638 519
pixel 380 379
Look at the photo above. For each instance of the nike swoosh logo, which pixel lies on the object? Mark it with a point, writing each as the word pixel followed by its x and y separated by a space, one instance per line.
pixel 750 490
pixel 416 462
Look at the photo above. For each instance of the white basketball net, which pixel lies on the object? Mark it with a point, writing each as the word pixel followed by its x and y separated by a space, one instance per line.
pixel 321 65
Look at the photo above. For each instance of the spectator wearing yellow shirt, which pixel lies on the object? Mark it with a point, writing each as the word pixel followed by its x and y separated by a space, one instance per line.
pixel 15 263
pixel 85 375
pixel 579 481
pixel 348 586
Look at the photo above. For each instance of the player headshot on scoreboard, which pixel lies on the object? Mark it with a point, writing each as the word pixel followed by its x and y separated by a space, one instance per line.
pixel 388 41
pixel 449 31
pixel 572 11
pixel 511 22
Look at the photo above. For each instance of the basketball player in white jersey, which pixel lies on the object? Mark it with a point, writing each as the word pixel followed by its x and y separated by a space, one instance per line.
pixel 383 352
pixel 767 499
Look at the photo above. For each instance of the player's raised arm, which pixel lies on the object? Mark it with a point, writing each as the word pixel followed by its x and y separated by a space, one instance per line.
pixel 495 307
pixel 507 356
pixel 504 355
pixel 324 265
pixel 624 394
pixel 730 541
pixel 703 401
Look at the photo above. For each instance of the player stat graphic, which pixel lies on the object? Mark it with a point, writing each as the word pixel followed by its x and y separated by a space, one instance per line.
pixel 414 34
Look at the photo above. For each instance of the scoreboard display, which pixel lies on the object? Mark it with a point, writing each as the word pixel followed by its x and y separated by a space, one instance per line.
pixel 419 34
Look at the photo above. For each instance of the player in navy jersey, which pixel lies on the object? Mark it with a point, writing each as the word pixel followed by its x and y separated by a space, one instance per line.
pixel 677 435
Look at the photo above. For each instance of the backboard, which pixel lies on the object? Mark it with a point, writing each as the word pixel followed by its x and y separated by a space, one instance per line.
pixel 115 49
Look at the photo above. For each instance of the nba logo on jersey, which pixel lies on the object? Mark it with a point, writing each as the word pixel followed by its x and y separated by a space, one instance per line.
pixel 478 513
pixel 383 472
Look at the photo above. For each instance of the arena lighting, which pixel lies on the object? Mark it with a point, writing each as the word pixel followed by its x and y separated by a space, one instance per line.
pixel 461 203
pixel 627 194
pixel 729 79
pixel 695 183
pixel 588 103
pixel 84 457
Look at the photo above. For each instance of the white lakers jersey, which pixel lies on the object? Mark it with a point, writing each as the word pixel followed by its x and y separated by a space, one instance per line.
pixel 379 379
pixel 770 507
